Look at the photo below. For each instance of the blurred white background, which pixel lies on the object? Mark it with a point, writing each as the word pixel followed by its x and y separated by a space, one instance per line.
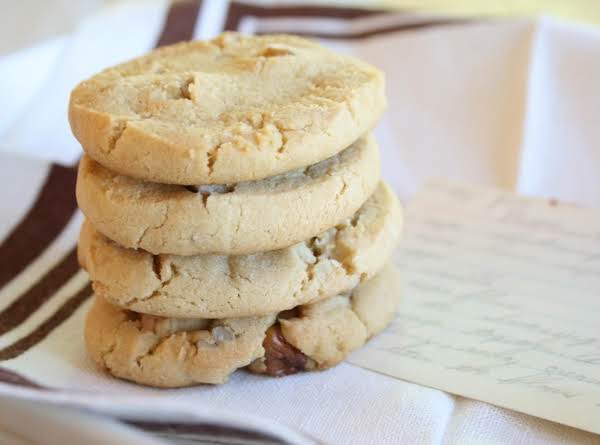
pixel 23 22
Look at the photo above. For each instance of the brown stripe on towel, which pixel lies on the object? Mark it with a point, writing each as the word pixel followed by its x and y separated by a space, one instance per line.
pixel 379 31
pixel 208 432
pixel 180 22
pixel 20 309
pixel 237 11
pixel 62 314
pixel 45 220
pixel 13 378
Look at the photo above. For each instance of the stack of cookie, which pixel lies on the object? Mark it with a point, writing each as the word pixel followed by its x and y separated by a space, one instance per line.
pixel 235 213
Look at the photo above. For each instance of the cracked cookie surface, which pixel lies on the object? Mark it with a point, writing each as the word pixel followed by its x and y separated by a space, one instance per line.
pixel 171 352
pixel 218 286
pixel 232 109
pixel 237 219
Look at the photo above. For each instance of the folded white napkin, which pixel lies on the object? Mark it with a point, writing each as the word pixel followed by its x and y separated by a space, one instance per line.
pixel 506 103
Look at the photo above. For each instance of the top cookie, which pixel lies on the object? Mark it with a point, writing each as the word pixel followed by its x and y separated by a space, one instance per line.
pixel 231 109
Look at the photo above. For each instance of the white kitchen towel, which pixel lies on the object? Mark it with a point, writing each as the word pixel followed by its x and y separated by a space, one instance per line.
pixel 505 103
pixel 63 426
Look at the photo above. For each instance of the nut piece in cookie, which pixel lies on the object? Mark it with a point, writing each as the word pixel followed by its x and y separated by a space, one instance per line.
pixel 281 358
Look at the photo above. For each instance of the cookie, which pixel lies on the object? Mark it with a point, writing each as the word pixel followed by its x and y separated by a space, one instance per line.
pixel 325 332
pixel 238 219
pixel 233 109
pixel 170 352
pixel 218 286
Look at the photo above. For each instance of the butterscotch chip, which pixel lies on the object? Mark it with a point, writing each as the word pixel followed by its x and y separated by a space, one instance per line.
pixel 218 286
pixel 235 108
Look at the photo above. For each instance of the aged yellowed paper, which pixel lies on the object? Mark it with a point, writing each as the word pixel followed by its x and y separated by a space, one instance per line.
pixel 501 303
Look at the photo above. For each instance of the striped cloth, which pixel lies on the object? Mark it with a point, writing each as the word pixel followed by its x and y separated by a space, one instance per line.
pixel 496 103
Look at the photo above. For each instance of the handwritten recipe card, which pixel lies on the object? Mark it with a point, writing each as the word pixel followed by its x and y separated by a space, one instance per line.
pixel 501 303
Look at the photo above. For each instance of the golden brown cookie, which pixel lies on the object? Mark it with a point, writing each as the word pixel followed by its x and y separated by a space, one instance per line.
pixel 232 109
pixel 168 352
pixel 219 286
pixel 238 219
